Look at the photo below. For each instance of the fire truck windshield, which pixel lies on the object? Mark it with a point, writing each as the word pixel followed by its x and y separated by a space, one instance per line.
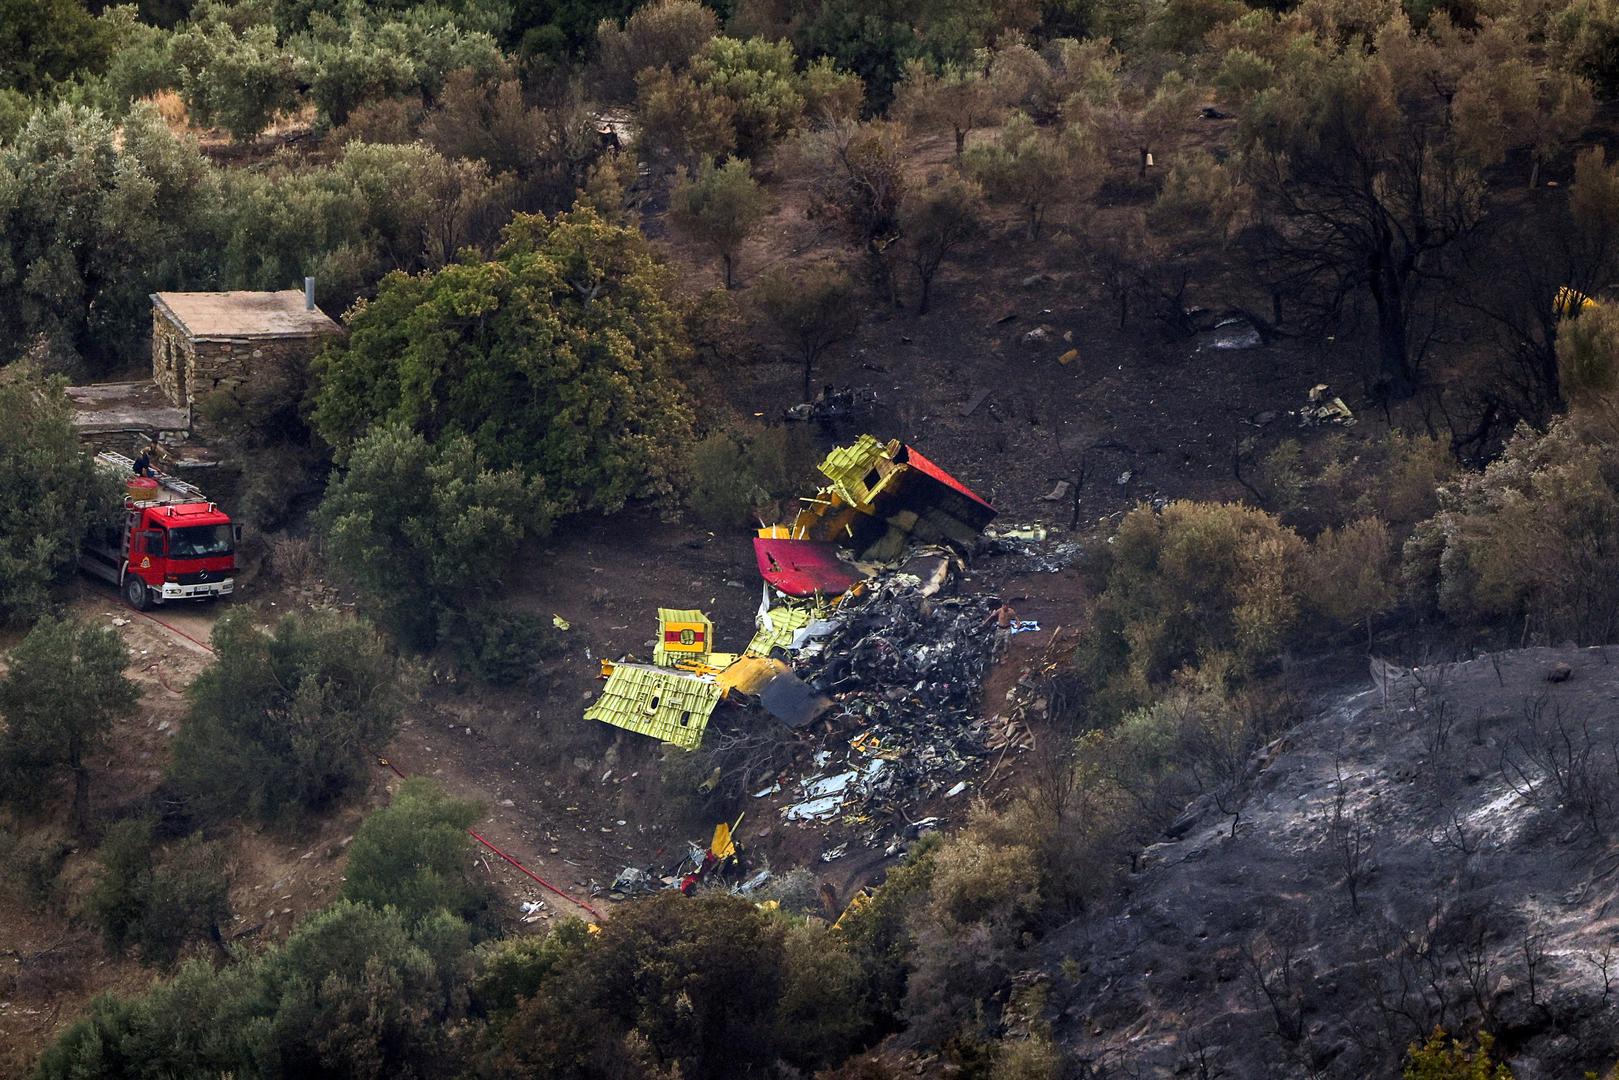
pixel 199 541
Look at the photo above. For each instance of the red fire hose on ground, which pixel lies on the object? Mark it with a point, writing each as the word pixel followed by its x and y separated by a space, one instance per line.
pixel 526 871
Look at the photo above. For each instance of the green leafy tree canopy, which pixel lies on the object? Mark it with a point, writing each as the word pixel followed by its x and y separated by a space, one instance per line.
pixel 50 492
pixel 413 854
pixel 558 358
pixel 282 722
pixel 63 690
pixel 423 529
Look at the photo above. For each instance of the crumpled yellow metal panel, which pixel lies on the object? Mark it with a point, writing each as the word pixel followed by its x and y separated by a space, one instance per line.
pixel 785 621
pixel 749 674
pixel 671 706
pixel 858 471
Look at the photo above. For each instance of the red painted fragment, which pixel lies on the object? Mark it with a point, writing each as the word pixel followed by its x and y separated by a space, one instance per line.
pixel 921 464
pixel 803 567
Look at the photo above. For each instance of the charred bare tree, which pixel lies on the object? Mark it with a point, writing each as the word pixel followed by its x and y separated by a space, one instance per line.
pixel 1348 841
pixel 1271 974
pixel 1561 762
pixel 1360 195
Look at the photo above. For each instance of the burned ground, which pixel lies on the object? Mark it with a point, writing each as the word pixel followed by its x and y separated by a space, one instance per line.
pixel 1435 855
pixel 1211 923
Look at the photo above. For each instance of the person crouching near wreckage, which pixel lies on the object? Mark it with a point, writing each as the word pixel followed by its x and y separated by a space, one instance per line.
pixel 1003 617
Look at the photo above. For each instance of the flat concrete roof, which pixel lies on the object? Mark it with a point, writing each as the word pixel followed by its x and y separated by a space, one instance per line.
pixel 132 406
pixel 208 316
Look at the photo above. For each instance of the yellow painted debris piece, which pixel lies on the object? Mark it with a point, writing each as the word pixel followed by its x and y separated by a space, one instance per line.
pixel 683 634
pixel 857 903
pixel 749 674
pixel 1572 301
pixel 667 705
pixel 858 471
pixel 722 847
pixel 784 622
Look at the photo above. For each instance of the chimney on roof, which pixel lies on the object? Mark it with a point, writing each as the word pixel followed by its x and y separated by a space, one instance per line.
pixel 309 294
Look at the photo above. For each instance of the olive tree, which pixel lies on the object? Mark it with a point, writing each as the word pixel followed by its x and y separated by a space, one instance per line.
pixel 63 689
pixel 718 206
pixel 50 492
pixel 283 723
pixel 812 310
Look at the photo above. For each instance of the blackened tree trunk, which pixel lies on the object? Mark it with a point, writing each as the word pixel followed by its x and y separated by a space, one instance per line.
pixel 1397 374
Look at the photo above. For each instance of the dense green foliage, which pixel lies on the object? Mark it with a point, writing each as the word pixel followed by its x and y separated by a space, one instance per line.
pixel 424 529
pixel 50 492
pixel 556 358
pixel 414 855
pixel 157 901
pixel 1213 587
pixel 350 994
pixel 663 986
pixel 93 217
pixel 501 647
pixel 718 206
pixel 63 688
pixel 738 470
pixel 284 722
pixel 1438 1059
pixel 45 42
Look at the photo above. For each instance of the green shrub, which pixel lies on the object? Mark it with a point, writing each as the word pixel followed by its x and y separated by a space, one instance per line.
pixel 1350 574
pixel 414 855
pixel 1442 1059
pixel 703 987
pixel 48 42
pixel 117 899
pixel 821 1014
pixel 157 901
pixel 501 647
pixel 736 473
pixel 62 691
pixel 1395 479
pixel 424 529
pixel 350 994
pixel 1033 1058
pixel 284 723
pixel 879 932
pixel 30 866
pixel 1214 587
pixel 1529 541
pixel 50 492
pixel 567 373
pixel 510 969
pixel 983 897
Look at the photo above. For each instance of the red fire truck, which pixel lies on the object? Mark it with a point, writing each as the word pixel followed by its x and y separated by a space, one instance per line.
pixel 173 545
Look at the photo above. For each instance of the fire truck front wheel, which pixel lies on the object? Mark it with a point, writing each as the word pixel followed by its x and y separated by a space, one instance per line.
pixel 136 595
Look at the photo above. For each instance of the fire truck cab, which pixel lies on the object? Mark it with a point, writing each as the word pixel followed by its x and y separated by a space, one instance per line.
pixel 173 544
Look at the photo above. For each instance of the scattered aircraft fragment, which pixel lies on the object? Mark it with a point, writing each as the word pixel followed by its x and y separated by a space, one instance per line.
pixel 881 500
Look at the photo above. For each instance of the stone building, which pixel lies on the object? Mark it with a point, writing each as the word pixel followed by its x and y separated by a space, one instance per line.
pixel 202 341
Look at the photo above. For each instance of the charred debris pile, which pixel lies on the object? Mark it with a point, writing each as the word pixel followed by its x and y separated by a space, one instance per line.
pixel 856 699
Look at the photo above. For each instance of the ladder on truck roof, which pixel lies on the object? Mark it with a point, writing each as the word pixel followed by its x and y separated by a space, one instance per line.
pixel 171 489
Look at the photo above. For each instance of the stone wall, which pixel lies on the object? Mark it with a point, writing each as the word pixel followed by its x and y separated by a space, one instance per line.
pixel 171 359
pixel 187 370
pixel 220 365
